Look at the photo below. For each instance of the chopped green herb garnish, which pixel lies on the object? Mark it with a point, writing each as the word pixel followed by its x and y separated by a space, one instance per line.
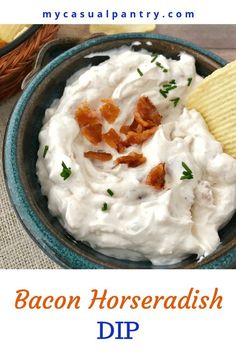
pixel 104 207
pixel 187 174
pixel 140 72
pixel 159 64
pixel 189 81
pixel 66 171
pixel 175 101
pixel 46 147
pixel 161 67
pixel 154 55
pixel 186 167
pixel 168 87
pixel 163 93
pixel 109 191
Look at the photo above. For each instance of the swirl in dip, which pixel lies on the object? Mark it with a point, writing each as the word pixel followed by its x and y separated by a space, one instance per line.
pixel 165 202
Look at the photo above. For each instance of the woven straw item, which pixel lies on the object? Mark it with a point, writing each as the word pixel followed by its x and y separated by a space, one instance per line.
pixel 16 64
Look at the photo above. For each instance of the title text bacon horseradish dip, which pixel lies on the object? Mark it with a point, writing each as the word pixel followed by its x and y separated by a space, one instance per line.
pixel 128 169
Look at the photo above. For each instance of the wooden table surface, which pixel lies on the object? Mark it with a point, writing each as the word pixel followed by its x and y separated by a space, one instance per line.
pixel 221 39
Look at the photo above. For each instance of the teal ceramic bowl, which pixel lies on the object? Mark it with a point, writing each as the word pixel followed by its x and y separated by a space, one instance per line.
pixel 21 145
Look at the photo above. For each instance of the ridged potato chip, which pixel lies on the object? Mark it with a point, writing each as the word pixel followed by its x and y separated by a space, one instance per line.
pixel 10 32
pixel 215 99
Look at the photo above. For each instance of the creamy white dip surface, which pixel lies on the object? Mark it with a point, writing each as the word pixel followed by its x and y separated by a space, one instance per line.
pixel 140 223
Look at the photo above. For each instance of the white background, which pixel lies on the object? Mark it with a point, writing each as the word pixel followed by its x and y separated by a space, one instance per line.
pixel 75 331
pixel 206 11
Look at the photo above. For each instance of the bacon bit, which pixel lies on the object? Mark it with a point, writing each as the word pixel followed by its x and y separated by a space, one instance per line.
pixel 145 106
pixel 113 139
pixel 85 115
pixel 156 176
pixel 139 128
pixel 109 110
pixel 145 123
pixel 138 118
pixel 148 111
pixel 92 133
pixel 134 127
pixel 155 118
pixel 133 159
pixel 139 138
pixel 101 156
pixel 125 129
pixel 121 147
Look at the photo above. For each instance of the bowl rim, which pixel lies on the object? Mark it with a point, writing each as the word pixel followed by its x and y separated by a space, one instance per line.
pixel 52 246
pixel 19 40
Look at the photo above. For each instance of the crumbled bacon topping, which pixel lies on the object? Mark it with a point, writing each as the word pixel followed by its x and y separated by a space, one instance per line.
pixel 156 176
pixel 148 112
pixel 93 133
pixel 133 159
pixel 85 115
pixel 138 118
pixel 145 123
pixel 133 127
pixel 139 138
pixel 113 139
pixel 109 110
pixel 97 155
pixel 125 129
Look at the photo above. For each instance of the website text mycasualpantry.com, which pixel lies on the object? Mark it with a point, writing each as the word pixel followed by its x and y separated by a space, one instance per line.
pixel 117 15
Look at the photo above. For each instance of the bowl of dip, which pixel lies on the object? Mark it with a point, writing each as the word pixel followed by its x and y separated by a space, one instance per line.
pixel 154 198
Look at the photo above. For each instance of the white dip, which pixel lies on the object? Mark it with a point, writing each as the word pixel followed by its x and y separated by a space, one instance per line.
pixel 141 222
